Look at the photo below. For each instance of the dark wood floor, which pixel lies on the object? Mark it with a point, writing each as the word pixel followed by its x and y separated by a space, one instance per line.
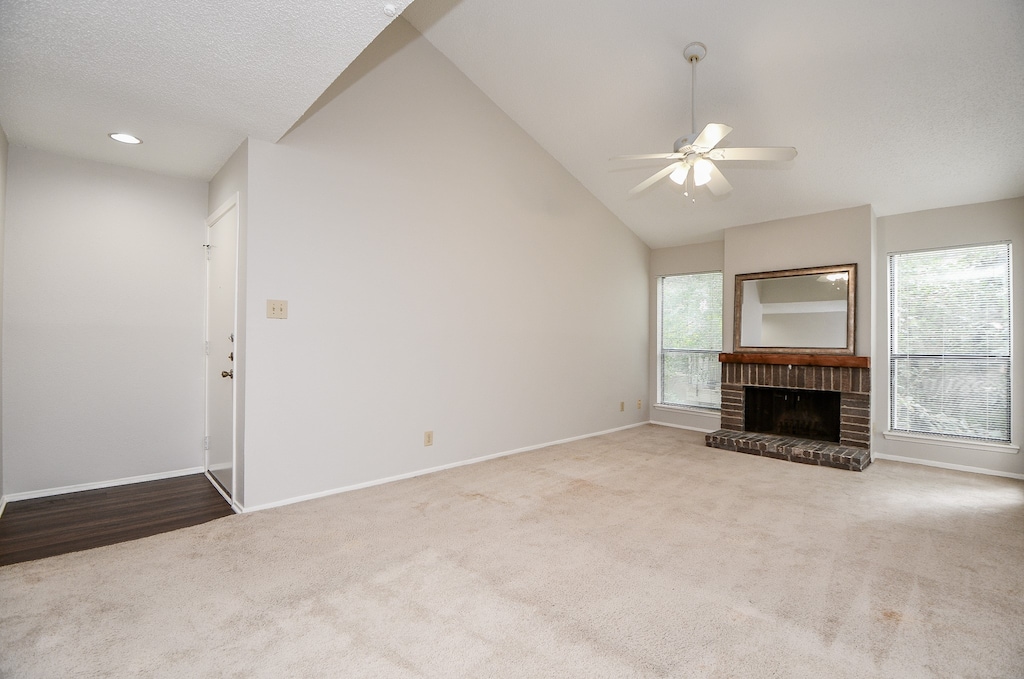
pixel 33 529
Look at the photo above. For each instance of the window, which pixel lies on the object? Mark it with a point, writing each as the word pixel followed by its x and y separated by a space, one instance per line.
pixel 690 338
pixel 949 342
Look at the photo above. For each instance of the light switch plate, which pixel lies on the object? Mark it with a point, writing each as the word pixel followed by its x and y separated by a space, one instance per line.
pixel 277 308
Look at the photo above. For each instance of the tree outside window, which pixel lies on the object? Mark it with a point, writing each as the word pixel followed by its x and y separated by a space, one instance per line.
pixel 690 339
pixel 949 347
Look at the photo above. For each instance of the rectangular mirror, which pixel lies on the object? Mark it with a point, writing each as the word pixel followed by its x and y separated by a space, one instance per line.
pixel 805 311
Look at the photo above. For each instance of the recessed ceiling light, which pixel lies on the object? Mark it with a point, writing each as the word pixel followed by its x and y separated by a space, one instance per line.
pixel 124 138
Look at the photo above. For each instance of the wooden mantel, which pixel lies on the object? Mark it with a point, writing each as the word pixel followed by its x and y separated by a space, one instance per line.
pixel 830 360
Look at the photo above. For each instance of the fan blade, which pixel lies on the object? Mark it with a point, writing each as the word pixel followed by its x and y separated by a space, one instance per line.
pixel 660 174
pixel 711 135
pixel 718 184
pixel 650 156
pixel 754 153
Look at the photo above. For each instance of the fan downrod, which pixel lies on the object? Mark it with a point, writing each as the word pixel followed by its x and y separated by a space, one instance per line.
pixel 693 52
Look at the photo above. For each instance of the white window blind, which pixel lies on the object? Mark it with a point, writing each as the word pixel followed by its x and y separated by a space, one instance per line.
pixel 949 342
pixel 691 338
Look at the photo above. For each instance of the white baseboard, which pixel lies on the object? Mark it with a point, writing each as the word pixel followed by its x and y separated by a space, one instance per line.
pixel 431 470
pixel 3 504
pixel 682 426
pixel 947 465
pixel 235 507
pixel 47 492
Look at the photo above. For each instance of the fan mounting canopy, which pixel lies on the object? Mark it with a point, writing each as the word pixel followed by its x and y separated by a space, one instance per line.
pixel 695 51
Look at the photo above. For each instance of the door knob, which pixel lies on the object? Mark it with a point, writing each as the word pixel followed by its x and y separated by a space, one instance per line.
pixel 227 373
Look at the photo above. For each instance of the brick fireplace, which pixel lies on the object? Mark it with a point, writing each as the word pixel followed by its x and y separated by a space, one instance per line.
pixel 848 375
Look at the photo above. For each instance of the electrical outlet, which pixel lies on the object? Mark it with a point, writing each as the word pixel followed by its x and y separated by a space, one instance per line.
pixel 277 308
pixel 622 406
pixel 639 403
pixel 428 438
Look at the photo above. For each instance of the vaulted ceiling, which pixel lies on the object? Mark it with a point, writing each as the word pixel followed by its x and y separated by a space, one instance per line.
pixel 902 105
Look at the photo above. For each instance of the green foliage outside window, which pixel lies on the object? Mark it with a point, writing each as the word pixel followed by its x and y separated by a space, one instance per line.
pixel 691 339
pixel 949 353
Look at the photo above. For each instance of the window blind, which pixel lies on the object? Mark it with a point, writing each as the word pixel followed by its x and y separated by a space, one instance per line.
pixel 949 342
pixel 691 339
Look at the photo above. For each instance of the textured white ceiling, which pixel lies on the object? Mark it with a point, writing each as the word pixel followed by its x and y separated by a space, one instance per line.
pixel 905 105
pixel 192 79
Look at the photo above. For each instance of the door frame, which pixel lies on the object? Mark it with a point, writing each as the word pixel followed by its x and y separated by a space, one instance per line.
pixel 232 498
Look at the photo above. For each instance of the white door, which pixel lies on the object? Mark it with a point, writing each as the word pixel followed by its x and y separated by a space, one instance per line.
pixel 221 293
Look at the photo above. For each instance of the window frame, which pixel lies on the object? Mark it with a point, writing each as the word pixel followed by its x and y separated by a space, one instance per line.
pixel 660 401
pixel 946 439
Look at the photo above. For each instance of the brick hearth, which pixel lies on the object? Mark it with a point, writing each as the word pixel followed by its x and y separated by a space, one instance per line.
pixel 789 448
pixel 852 381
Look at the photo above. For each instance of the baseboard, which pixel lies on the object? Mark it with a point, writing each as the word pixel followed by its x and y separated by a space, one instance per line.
pixel 3 504
pixel 431 470
pixel 235 507
pixel 682 426
pixel 947 465
pixel 47 492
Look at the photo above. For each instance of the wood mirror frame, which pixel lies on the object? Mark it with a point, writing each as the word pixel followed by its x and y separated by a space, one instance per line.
pixel 850 272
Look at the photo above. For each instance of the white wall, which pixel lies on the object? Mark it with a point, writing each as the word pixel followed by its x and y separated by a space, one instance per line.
pixel 442 272
pixel 699 258
pixel 103 323
pixel 947 227
pixel 3 212
pixel 824 329
pixel 232 181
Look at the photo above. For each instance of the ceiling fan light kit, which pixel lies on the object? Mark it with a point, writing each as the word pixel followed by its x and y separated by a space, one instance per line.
pixel 680 173
pixel 697 152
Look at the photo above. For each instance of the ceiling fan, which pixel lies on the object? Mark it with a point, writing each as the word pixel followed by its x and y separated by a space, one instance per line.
pixel 693 155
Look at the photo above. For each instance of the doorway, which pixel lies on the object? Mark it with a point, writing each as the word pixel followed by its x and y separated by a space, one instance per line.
pixel 221 326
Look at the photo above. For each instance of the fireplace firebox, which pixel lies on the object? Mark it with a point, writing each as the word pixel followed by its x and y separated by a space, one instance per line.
pixel 792 412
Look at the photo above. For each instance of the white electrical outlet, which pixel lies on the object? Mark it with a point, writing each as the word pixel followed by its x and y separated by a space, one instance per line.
pixel 639 403
pixel 277 308
pixel 428 438
pixel 622 406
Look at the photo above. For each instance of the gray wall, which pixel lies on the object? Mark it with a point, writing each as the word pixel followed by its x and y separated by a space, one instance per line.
pixel 856 235
pixel 947 227
pixel 838 237
pixel 443 273
pixel 3 212
pixel 103 323
pixel 699 258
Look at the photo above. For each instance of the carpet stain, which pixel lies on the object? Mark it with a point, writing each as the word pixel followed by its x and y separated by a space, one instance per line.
pixel 582 486
pixel 892 616
pixel 830 629
pixel 480 496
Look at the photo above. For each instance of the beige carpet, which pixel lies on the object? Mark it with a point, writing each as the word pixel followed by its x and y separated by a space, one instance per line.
pixel 636 554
